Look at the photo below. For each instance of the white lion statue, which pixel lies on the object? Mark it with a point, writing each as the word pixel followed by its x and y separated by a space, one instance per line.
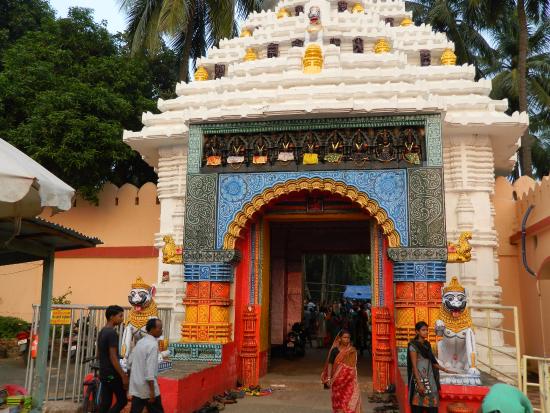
pixel 143 308
pixel 457 349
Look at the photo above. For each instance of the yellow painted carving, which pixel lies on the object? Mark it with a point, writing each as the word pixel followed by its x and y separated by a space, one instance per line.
pixel 219 314
pixel 421 313
pixel 462 250
pixel 406 21
pixel 382 46
pixel 191 313
pixel 404 317
pixel 448 58
pixel 171 253
pixel 358 8
pixel 310 184
pixel 313 59
pixel 204 313
pixel 201 74
pixel 282 13
pixel 250 55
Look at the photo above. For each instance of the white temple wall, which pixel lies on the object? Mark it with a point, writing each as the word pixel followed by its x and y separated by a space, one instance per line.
pixel 469 186
pixel 172 173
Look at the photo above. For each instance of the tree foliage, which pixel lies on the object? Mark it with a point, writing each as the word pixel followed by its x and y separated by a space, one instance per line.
pixel 516 58
pixel 18 17
pixel 192 26
pixel 68 90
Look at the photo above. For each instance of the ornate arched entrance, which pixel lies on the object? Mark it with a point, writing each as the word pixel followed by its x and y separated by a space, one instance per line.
pixel 226 202
pixel 252 315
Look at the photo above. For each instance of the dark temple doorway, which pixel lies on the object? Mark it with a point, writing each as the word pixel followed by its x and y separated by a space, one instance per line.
pixel 312 262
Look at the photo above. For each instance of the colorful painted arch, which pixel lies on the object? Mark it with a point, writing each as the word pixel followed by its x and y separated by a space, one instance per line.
pixel 311 184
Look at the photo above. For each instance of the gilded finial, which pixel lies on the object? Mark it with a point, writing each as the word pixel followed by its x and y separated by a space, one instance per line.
pixel 313 59
pixel 382 46
pixel 282 13
pixel 448 58
pixel 250 55
pixel 201 74
pixel 358 8
pixel 406 21
pixel 245 32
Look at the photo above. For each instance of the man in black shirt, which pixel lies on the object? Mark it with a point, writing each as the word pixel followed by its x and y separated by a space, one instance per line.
pixel 113 379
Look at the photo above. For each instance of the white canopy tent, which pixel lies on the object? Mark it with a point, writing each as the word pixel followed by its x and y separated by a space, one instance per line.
pixel 26 187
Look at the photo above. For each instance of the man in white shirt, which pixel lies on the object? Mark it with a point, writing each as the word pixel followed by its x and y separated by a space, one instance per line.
pixel 143 365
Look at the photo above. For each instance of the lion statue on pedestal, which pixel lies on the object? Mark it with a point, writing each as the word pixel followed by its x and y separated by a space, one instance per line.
pixel 457 349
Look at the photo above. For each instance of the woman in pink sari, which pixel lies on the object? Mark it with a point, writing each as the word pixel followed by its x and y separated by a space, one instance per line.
pixel 340 374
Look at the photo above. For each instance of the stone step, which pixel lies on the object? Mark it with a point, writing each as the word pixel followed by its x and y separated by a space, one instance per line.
pixel 181 369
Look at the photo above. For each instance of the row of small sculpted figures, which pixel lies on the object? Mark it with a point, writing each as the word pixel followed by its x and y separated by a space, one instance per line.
pixel 313 156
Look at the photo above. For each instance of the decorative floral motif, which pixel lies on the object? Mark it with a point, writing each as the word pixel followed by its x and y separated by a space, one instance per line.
pixel 427 212
pixel 417 254
pixel 233 188
pixel 200 212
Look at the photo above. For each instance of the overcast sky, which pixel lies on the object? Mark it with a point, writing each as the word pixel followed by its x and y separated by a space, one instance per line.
pixel 108 10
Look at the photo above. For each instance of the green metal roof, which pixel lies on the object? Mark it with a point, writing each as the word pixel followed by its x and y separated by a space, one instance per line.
pixel 35 237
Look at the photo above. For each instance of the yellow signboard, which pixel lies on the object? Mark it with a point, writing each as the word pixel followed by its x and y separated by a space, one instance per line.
pixel 60 316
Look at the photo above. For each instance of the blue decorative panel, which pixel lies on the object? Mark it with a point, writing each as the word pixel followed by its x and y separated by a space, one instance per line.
pixel 211 353
pixel 208 272
pixel 402 356
pixel 164 365
pixel 387 187
pixel 419 271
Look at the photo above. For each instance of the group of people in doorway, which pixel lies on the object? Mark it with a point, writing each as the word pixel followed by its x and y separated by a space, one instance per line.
pixel 340 375
pixel 324 322
pixel 140 379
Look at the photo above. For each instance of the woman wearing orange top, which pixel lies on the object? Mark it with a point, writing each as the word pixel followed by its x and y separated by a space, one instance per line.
pixel 340 374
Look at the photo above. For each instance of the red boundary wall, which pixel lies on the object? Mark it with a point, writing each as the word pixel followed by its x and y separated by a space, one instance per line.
pixel 189 393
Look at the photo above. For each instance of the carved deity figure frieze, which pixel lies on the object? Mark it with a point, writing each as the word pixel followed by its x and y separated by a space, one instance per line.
pixel 260 151
pixel 411 148
pixel 360 146
pixel 213 151
pixel 286 149
pixel 311 150
pixel 335 147
pixel 236 151
pixel 385 150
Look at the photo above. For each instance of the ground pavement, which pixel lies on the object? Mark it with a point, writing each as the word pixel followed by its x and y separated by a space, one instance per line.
pixel 12 371
pixel 298 386
pixel 302 391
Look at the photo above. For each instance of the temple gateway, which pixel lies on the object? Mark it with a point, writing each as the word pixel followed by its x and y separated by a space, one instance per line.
pixel 324 114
